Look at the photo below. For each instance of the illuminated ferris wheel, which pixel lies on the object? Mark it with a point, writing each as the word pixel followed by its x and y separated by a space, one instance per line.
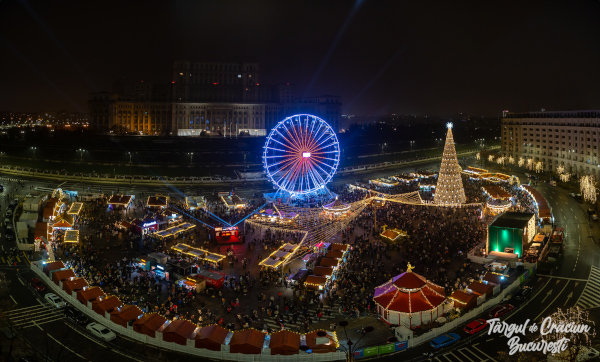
pixel 301 154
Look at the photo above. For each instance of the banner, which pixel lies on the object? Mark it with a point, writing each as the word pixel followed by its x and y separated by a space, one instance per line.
pixel 387 348
pixel 401 345
pixel 371 351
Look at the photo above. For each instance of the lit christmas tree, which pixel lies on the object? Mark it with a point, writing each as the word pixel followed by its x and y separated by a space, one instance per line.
pixel 449 190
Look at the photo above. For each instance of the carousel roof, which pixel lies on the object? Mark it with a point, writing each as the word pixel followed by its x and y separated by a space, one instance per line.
pixel 409 293
pixel 336 205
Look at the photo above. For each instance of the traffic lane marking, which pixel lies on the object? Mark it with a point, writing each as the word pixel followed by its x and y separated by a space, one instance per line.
pixel 85 335
pixel 553 300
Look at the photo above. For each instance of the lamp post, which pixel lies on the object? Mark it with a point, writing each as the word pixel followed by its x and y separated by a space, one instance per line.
pixel 411 146
pixel 81 151
pixel 382 145
pixel 352 347
pixel 129 153
pixel 33 149
pixel 191 157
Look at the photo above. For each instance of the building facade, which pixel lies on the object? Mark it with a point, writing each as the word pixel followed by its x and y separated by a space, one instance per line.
pixel 567 138
pixel 216 98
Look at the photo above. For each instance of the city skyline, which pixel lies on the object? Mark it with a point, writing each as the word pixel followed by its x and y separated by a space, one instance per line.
pixel 391 58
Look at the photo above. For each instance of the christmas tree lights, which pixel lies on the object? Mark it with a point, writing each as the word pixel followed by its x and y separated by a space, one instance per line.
pixel 449 190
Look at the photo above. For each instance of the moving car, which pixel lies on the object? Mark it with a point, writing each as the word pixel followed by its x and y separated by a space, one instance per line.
pixel 475 326
pixel 101 331
pixel 37 284
pixel 501 310
pixel 524 293
pixel 595 217
pixel 444 340
pixel 75 315
pixel 55 300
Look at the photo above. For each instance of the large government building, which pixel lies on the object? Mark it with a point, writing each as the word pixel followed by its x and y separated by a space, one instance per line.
pixel 215 98
pixel 567 138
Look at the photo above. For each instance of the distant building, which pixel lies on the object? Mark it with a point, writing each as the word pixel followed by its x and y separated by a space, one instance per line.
pixel 567 138
pixel 216 98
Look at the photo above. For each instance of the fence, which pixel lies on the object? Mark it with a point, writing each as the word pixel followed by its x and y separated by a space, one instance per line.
pixel 190 348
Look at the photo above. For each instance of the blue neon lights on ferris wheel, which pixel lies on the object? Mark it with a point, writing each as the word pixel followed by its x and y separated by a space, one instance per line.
pixel 301 154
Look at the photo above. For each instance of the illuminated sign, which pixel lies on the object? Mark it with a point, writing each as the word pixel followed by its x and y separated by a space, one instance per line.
pixel 160 267
pixel 148 224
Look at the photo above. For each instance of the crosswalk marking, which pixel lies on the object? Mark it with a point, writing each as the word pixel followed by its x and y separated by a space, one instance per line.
pixel 30 316
pixel 590 298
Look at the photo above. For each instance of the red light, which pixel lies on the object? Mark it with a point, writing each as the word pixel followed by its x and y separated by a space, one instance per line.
pixel 215 83
pixel 173 82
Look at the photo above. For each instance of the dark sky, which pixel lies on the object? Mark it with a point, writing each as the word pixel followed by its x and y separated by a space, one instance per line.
pixel 407 57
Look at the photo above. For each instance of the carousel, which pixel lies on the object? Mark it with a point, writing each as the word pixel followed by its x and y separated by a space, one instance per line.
pixel 336 208
pixel 411 300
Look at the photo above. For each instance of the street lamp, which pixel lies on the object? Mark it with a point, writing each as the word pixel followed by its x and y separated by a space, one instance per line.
pixel 33 149
pixel 129 153
pixel 382 145
pixel 191 157
pixel 81 151
pixel 352 347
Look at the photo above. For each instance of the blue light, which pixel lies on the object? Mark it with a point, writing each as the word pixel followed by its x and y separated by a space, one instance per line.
pixel 301 154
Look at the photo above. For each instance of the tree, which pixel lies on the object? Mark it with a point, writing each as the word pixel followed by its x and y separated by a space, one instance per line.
pixel 449 190
pixel 578 342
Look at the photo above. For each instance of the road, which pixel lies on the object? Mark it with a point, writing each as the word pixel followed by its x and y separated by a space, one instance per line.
pixel 575 282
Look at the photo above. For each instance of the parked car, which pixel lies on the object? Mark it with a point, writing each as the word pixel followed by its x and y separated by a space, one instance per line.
pixel 37 284
pixel 55 300
pixel 444 340
pixel 501 310
pixel 475 326
pixel 75 315
pixel 524 293
pixel 101 331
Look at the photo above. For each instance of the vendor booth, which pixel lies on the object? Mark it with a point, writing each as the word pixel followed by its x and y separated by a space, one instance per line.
pixel 212 278
pixel 227 235
pixel 116 202
pixel 247 341
pixel 125 314
pixel 192 282
pixel 285 343
pixel 211 337
pixel 178 331
pixel 149 324
pixel 147 225
pixel 326 344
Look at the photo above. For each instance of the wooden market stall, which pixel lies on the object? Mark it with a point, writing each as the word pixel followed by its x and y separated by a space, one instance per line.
pixel 211 337
pixel 74 285
pixel 125 314
pixel 106 304
pixel 178 331
pixel 62 275
pixel 149 324
pixel 285 343
pixel 90 294
pixel 247 341
pixel 318 344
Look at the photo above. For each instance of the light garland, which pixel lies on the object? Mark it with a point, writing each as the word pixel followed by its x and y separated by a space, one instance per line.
pixel 501 160
pixel 521 161
pixel 478 156
pixel 491 158
pixel 579 339
pixel 565 177
pixel 511 160
pixel 560 169
pixel 587 184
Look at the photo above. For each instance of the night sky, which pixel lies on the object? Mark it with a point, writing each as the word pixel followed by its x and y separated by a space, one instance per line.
pixel 405 57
